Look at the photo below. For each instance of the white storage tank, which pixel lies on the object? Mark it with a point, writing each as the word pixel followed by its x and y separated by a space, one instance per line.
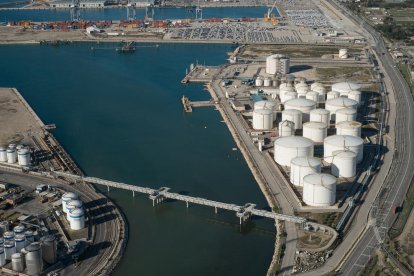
pixel 49 249
pixel 316 84
pixel 345 114
pixel 263 119
pixel 343 142
pixel 283 91
pixel 266 105
pixel 304 105
pixel 73 204
pixel 267 82
pixel 320 115
pixel 332 95
pixel 3 154
pixel 77 219
pixel 277 64
pixel 17 260
pixel 352 128
pixel 312 95
pixel 344 87
pixel 343 53
pixel 33 256
pixel 302 91
pixel 258 82
pixel 8 236
pixel 294 116
pixel 334 104
pixel 301 83
pixel 67 197
pixel 29 236
pixel 4 226
pixel 19 242
pixel 344 163
pixel 288 95
pixel 286 128
pixel 23 157
pixel 19 229
pixel 316 131
pixel 287 148
pixel 11 155
pixel 319 189
pixel 355 95
pixel 2 257
pixel 302 166
pixel 321 92
pixel 9 249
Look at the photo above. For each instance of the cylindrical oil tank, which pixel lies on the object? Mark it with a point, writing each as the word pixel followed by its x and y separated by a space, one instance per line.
pixel 294 116
pixel 332 95
pixel 286 128
pixel 2 256
pixel 287 148
pixel 302 166
pixel 4 226
pixel 343 142
pixel 271 65
pixel 302 91
pixel 67 197
pixel 267 82
pixel 312 95
pixel 304 105
pixel 321 90
pixel 289 95
pixel 352 128
pixel 1 242
pixel 17 260
pixel 344 163
pixel 29 236
pixel 20 146
pixel 316 131
pixel 12 146
pixel 345 114
pixel 316 84
pixel 258 82
pixel 49 249
pixel 73 204
pixel 33 257
pixel 8 236
pixel 334 104
pixel 276 82
pixel 23 157
pixel 301 83
pixel 266 105
pixel 263 119
pixel 320 115
pixel 77 219
pixel 319 189
pixel 11 156
pixel 19 242
pixel 3 154
pixel 344 87
pixel 283 91
pixel 9 249
pixel 343 53
pixel 19 229
pixel 355 95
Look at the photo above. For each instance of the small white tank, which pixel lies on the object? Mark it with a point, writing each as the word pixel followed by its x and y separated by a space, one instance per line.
pixel 302 91
pixel 287 148
pixel 77 219
pixel 73 204
pixel 9 249
pixel 262 119
pixel 304 105
pixel 2 256
pixel 344 87
pixel 258 82
pixel 316 84
pixel 67 197
pixel 286 128
pixel 345 114
pixel 316 131
pixel 19 229
pixel 352 128
pixel 270 105
pixel 17 260
pixel 3 154
pixel 302 166
pixel 11 155
pixel 322 93
pixel 19 242
pixel 344 163
pixel 343 53
pixel 312 95
pixel 320 115
pixel 290 95
pixel 355 95
pixel 343 142
pixel 332 95
pixel 334 104
pixel 29 236
pixel 301 83
pixel 294 116
pixel 8 236
pixel 283 91
pixel 267 82
pixel 319 189
pixel 23 157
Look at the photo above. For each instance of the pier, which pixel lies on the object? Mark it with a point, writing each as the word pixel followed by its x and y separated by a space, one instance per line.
pixel 188 105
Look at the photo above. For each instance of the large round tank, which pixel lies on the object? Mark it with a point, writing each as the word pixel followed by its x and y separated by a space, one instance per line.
pixel 277 64
pixel 294 116
pixel 2 257
pixel 288 95
pixel 262 119
pixel 3 154
pixel 266 105
pixel 23 157
pixel 319 189
pixel 286 128
pixel 29 236
pixel 19 242
pixel 9 249
pixel 33 257
pixel 77 219
pixel 67 197
pixel 302 91
pixel 344 87
pixel 316 84
pixel 19 229
pixel 343 142
pixel 345 114
pixel 334 104
pixel 344 163
pixel 343 53
pixel 312 95
pixel 11 156
pixel 4 226
pixel 283 91
pixel 321 93
pixel 302 166
pixel 49 249
pixel 355 95
pixel 8 236
pixel 316 131
pixel 301 83
pixel 304 105
pixel 72 204
pixel 259 82
pixel 17 260
pixel 267 82
pixel 320 115
pixel 332 95
pixel 352 128
pixel 287 148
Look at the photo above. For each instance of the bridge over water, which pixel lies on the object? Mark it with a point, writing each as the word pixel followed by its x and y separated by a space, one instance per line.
pixel 158 195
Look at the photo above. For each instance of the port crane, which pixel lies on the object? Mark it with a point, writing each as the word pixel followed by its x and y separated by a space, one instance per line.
pixel 75 11
pixel 269 16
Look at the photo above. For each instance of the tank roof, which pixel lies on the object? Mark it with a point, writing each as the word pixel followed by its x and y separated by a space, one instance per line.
pixel 349 124
pixel 346 111
pixel 314 125
pixel 346 86
pixel 294 142
pixel 344 154
pixel 306 161
pixel 292 111
pixel 320 111
pixel 344 140
pixel 321 179
pixel 69 195
pixel 300 102
pixel 341 101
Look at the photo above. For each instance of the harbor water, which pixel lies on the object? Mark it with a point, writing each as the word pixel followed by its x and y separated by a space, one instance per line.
pixel 120 117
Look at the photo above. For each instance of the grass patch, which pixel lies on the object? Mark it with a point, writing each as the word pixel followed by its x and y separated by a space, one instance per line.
pixel 371 267
pixel 330 219
pixel 350 73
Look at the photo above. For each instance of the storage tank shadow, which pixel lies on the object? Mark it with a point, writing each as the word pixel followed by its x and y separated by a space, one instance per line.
pixel 298 68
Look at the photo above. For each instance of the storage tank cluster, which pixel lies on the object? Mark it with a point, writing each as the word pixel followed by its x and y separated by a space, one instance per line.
pixel 277 63
pixel 15 154
pixel 73 207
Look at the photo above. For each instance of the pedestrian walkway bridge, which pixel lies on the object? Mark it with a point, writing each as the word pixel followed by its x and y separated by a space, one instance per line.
pixel 159 195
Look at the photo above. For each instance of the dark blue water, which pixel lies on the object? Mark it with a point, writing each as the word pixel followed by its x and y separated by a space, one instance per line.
pixel 120 117
pixel 118 14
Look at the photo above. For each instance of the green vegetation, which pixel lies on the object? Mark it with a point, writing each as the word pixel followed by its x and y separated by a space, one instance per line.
pixel 371 267
pixel 396 30
pixel 349 73
pixel 330 219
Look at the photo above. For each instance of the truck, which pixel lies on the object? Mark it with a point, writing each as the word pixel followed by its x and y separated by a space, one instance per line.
pixel 41 188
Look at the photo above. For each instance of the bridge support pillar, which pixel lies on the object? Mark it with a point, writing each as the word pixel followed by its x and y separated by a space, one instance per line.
pixel 215 209
pixel 153 203
pixel 133 193
pixel 108 188
pixel 186 203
